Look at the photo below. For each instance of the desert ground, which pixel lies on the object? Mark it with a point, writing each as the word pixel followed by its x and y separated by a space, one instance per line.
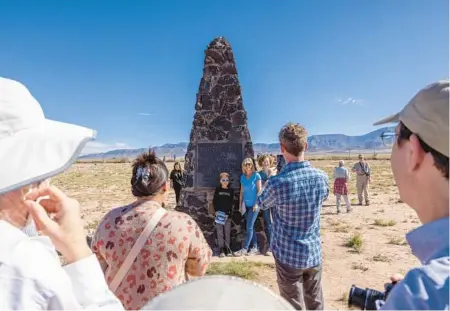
pixel 363 247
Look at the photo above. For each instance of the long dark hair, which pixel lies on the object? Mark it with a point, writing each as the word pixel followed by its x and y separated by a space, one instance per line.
pixel 149 175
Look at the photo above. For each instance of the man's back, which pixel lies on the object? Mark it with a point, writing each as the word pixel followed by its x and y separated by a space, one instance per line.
pixel 295 196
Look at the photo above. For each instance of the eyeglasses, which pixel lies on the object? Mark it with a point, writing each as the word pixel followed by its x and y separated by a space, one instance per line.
pixel 388 138
pixel 224 180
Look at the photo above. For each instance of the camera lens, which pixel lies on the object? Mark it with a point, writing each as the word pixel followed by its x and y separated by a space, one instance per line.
pixel 372 297
pixel 364 298
pixel 357 297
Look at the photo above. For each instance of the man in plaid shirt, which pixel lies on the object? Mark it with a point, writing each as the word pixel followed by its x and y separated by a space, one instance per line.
pixel 295 197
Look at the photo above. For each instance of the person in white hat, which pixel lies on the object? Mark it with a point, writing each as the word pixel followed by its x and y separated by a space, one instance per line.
pixel 420 165
pixel 33 149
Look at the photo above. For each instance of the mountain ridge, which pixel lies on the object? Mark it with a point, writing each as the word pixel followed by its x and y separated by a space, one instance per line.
pixel 326 143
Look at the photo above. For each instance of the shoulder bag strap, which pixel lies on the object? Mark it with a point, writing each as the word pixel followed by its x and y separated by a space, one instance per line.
pixel 140 242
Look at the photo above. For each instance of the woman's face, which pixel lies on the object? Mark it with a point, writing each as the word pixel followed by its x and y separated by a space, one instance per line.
pixel 177 166
pixel 266 163
pixel 248 167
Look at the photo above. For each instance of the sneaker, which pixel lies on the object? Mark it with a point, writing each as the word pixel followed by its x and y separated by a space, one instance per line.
pixel 349 209
pixel 367 203
pixel 253 251
pixel 338 212
pixel 240 252
pixel 222 254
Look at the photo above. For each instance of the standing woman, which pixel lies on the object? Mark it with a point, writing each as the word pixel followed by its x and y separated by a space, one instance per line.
pixel 265 163
pixel 250 188
pixel 341 177
pixel 177 180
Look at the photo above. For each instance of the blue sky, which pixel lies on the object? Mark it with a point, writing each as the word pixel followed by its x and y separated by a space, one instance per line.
pixel 333 66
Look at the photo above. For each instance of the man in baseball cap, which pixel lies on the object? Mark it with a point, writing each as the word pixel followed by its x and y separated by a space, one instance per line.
pixel 419 162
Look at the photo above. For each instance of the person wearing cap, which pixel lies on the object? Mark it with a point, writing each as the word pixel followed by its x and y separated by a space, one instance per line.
pixel 33 149
pixel 420 166
pixel 362 170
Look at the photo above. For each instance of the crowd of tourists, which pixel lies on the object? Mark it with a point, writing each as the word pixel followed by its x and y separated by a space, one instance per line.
pixel 142 252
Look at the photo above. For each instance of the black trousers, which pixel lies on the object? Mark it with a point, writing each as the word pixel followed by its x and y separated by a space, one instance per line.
pixel 177 189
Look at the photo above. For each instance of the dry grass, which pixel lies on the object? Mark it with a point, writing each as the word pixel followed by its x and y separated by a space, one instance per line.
pixel 397 241
pixel 384 223
pixel 249 270
pixel 381 258
pixel 355 242
pixel 359 266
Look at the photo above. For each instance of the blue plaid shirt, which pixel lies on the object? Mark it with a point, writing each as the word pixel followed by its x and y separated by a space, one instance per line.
pixel 295 198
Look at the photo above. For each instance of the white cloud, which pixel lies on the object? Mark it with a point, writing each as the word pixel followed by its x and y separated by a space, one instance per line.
pixel 349 101
pixel 99 147
pixel 145 114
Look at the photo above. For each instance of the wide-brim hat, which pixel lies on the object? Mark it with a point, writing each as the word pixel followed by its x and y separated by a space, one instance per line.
pixel 33 148
pixel 218 292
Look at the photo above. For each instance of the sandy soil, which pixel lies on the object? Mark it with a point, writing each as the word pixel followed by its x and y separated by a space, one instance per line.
pixel 382 226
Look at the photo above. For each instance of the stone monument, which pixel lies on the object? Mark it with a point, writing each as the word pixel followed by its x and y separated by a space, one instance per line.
pixel 219 141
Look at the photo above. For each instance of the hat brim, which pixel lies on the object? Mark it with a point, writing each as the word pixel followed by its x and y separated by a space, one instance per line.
pixel 391 119
pixel 35 154
pixel 218 292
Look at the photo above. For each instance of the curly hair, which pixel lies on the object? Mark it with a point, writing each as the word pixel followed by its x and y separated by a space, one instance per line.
pixel 293 137
pixel 149 175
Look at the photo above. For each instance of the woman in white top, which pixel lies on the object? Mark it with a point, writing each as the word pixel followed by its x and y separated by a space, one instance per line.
pixel 33 149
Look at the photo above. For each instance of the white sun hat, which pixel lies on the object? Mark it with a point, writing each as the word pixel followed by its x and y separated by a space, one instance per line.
pixel 218 292
pixel 33 148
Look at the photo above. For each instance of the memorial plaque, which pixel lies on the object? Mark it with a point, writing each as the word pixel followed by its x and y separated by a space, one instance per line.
pixel 215 158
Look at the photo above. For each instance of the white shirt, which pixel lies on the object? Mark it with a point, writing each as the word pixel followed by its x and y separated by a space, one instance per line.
pixel 31 276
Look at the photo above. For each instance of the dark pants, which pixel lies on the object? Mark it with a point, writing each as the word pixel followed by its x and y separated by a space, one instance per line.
pixel 302 288
pixel 177 189
pixel 223 233
pixel 267 224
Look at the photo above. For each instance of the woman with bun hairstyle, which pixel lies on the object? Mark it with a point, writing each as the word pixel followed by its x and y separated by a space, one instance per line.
pixel 173 249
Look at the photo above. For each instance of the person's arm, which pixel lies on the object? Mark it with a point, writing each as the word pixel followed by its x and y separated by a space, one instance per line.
pixel 241 193
pixel 95 247
pixel 267 199
pixel 88 286
pixel 418 291
pixel 215 198
pixel 172 178
pixel 199 253
pixel 334 174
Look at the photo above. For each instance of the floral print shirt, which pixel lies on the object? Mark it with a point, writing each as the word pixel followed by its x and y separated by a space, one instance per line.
pixel 176 248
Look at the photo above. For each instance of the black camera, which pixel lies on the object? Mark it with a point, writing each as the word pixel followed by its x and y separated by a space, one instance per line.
pixel 365 299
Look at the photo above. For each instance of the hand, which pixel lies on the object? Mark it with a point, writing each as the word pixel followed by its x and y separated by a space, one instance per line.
pixel 255 207
pixel 217 213
pixel 397 278
pixel 58 217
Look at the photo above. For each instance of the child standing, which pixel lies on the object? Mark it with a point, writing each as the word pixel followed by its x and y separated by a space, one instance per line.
pixel 223 203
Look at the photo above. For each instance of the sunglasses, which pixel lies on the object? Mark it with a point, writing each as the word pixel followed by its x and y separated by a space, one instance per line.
pixel 224 180
pixel 248 164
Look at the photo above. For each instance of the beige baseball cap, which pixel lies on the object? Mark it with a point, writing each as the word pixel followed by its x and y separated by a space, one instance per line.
pixel 427 115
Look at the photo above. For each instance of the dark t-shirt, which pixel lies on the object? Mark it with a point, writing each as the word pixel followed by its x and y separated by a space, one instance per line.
pixel 223 200
pixel 177 178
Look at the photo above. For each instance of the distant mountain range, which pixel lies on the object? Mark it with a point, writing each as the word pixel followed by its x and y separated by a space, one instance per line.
pixel 326 143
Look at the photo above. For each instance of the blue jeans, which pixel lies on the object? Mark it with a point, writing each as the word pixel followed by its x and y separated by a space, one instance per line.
pixel 267 224
pixel 250 234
